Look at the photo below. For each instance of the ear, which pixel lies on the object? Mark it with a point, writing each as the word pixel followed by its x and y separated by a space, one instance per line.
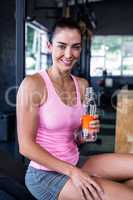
pixel 49 46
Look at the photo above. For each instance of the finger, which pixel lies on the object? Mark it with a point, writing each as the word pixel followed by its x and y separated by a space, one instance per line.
pixel 96 116
pixel 86 193
pixel 93 192
pixel 93 122
pixel 90 191
pixel 95 175
pixel 96 185
pixel 95 130
pixel 83 195
pixel 94 126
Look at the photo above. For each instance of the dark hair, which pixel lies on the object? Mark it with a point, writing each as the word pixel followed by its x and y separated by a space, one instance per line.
pixel 64 22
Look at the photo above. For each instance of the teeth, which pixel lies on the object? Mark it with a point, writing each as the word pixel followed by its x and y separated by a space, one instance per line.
pixel 67 62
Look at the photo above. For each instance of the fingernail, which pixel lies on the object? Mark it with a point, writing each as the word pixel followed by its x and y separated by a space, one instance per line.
pixel 96 175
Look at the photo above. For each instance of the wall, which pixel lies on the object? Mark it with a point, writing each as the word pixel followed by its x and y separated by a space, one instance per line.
pixel 7 54
pixel 43 11
pixel 114 17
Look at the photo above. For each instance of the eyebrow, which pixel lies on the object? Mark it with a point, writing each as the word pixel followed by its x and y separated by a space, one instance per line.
pixel 75 44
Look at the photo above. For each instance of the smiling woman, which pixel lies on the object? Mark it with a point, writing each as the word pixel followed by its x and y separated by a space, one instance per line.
pixel 49 109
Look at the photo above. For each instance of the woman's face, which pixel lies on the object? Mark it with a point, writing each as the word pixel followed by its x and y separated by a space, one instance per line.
pixel 65 48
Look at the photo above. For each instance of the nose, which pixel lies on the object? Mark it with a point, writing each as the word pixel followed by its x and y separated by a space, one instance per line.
pixel 68 52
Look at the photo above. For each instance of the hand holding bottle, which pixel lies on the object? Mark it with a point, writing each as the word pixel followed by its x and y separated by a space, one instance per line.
pixel 95 124
pixel 90 126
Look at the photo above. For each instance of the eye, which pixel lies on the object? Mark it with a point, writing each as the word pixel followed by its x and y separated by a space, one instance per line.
pixel 76 47
pixel 62 47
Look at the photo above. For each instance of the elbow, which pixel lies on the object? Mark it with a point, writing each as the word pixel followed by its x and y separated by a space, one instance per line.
pixel 23 149
pixel 26 149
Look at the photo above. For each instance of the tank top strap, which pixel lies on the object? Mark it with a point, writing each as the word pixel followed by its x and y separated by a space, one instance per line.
pixel 77 89
pixel 47 81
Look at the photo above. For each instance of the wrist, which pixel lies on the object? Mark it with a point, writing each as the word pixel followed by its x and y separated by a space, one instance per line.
pixel 69 171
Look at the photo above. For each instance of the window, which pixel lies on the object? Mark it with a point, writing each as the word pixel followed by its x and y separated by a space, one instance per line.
pixel 36 47
pixel 113 54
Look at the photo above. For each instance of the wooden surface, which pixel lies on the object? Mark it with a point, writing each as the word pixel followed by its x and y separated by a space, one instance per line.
pixel 124 122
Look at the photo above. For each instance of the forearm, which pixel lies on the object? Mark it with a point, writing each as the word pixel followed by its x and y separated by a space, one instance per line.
pixel 36 153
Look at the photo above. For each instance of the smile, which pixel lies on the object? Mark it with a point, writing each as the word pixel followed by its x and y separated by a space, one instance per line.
pixel 67 62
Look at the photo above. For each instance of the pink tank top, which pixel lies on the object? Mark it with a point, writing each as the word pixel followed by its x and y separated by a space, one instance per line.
pixel 57 125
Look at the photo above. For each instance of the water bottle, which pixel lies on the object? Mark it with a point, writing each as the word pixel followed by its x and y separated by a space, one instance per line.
pixel 90 111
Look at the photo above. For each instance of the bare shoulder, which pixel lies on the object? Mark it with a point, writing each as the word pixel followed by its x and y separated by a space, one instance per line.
pixel 32 82
pixel 33 87
pixel 83 84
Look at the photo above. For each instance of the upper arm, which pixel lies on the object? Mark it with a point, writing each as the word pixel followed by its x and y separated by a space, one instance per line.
pixel 29 98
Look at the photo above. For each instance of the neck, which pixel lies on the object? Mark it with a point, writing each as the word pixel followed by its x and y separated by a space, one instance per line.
pixel 58 75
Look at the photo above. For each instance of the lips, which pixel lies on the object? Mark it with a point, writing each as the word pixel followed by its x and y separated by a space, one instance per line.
pixel 67 62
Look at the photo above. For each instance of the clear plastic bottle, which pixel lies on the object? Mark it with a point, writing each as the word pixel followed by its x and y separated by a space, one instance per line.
pixel 90 110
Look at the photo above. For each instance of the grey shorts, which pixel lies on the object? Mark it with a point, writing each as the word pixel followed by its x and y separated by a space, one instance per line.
pixel 46 185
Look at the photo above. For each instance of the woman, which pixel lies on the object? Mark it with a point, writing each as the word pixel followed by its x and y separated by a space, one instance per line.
pixel 49 107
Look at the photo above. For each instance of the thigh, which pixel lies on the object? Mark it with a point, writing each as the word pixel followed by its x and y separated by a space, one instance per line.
pixel 69 192
pixel 112 191
pixel 112 166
